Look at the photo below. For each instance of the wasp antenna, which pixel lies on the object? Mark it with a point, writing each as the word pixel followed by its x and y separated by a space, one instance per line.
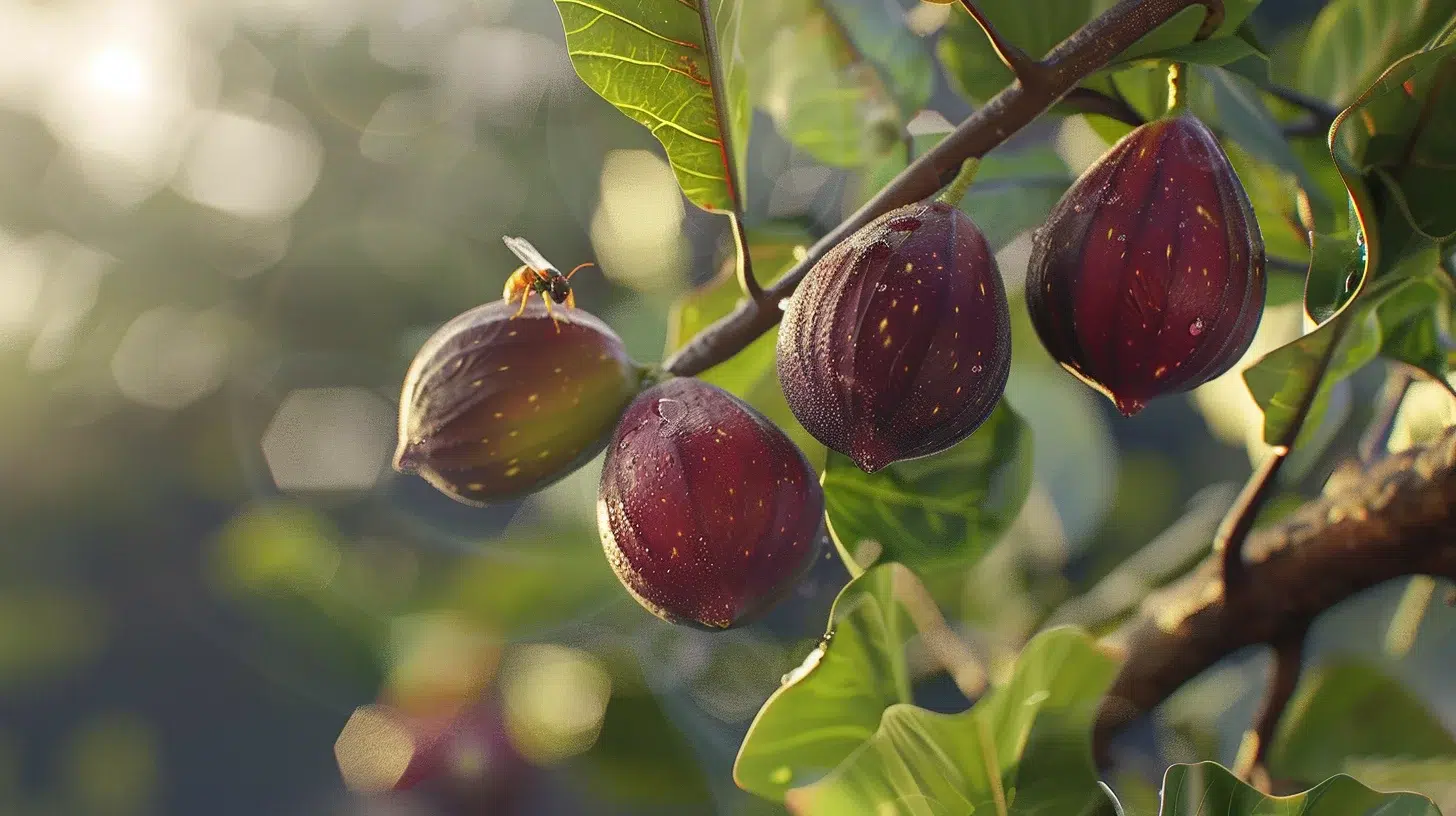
pixel 578 267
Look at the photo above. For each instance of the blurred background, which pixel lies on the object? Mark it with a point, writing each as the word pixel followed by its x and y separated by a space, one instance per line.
pixel 225 228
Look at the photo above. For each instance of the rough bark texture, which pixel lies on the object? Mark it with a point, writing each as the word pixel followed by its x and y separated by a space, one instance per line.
pixel 1396 519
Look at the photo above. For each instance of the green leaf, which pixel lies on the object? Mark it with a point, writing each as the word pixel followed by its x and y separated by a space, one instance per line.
pixel 936 512
pixel 1035 27
pixel 1209 789
pixel 839 79
pixel 1280 380
pixel 1406 138
pixel 1335 266
pixel 1244 118
pixel 831 704
pixel 1012 193
pixel 1349 708
pixel 650 59
pixel 1352 41
pixel 1169 40
pixel 900 58
pixel 751 374
pixel 1024 748
pixel 1435 777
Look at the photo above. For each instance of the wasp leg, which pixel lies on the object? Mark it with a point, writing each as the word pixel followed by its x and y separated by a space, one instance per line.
pixel 554 321
pixel 571 300
pixel 525 297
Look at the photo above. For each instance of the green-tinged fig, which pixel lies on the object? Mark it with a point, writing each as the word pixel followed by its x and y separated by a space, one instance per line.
pixel 496 405
pixel 898 342
pixel 1148 276
pixel 707 512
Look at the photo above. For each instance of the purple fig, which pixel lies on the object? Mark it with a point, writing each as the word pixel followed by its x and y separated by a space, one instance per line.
pixel 898 342
pixel 707 512
pixel 1148 276
pixel 496 406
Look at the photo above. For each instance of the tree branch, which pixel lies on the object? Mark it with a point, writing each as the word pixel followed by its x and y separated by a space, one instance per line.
pixel 1399 519
pixel 1088 49
pixel 1251 765
pixel 1026 70
pixel 1087 100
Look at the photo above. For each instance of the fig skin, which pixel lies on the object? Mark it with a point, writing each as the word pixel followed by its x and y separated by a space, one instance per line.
pixel 897 344
pixel 494 408
pixel 1148 276
pixel 708 513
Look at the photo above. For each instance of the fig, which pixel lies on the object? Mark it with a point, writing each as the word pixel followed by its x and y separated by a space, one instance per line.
pixel 1148 276
pixel 898 342
pixel 464 755
pixel 707 512
pixel 496 406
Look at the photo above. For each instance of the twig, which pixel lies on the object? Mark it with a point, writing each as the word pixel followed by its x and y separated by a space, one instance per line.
pixel 1251 764
pixel 1027 70
pixel 1088 49
pixel 730 166
pixel 1398 520
pixel 1323 113
pixel 1087 100
pixel 1387 406
pixel 1228 541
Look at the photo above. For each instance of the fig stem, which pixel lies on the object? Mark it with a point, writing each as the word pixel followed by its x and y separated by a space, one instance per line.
pixel 956 190
pixel 1086 51
pixel 1177 91
pixel 1026 70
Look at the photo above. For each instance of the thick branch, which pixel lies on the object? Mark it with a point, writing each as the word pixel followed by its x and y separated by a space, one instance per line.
pixel 1086 51
pixel 1399 519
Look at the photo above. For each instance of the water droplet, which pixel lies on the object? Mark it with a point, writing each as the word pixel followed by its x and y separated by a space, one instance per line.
pixel 1196 327
pixel 975 369
pixel 881 287
pixel 1351 281
pixel 1122 239
pixel 670 410
pixel 908 223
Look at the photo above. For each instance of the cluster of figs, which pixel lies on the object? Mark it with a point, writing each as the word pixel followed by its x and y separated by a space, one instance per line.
pixel 1146 279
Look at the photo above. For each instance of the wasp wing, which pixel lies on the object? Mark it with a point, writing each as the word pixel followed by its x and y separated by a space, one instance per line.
pixel 528 254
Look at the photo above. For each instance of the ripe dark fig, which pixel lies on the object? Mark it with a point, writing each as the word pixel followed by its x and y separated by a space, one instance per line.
pixel 1148 276
pixel 898 341
pixel 496 406
pixel 707 512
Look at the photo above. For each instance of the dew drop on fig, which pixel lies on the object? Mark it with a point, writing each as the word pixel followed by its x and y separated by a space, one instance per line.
pixel 1196 327
pixel 670 410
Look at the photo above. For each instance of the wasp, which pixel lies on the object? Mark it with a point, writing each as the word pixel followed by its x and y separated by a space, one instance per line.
pixel 536 275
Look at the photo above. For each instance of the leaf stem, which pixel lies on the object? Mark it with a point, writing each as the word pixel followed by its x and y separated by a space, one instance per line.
pixel 725 134
pixel 744 263
pixel 1086 51
pixel 1387 406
